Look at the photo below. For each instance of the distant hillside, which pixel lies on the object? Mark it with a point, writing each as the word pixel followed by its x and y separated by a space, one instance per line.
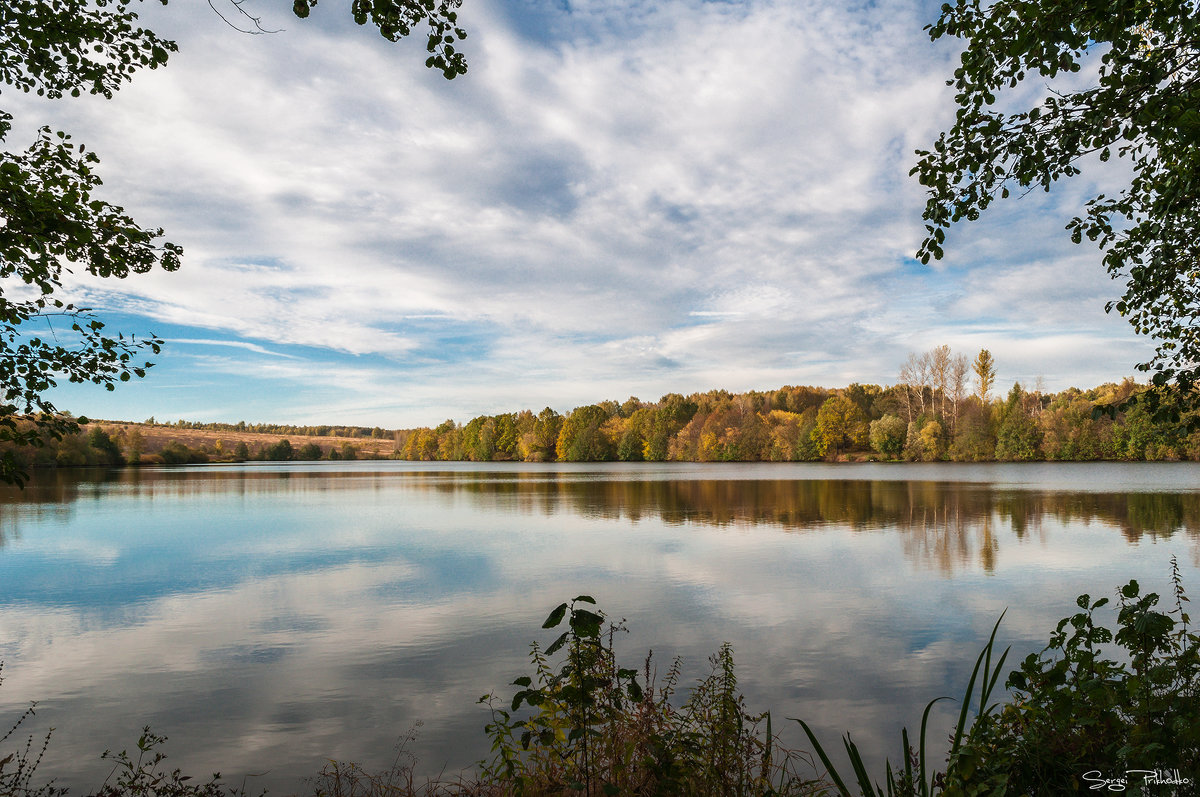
pixel 115 443
pixel 223 441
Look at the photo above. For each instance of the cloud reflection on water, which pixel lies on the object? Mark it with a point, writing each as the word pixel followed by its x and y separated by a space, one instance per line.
pixel 275 617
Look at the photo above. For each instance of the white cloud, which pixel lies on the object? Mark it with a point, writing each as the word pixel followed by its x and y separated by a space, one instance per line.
pixel 649 193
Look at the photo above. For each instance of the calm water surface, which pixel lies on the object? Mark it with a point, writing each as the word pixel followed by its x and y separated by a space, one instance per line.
pixel 269 617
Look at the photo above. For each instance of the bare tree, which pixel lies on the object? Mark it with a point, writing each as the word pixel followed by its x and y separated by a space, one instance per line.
pixel 912 379
pixel 939 375
pixel 959 368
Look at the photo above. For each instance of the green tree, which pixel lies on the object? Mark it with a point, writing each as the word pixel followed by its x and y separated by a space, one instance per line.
pixel 1018 437
pixel 545 435
pixel 809 443
pixel 51 222
pixel 449 441
pixel 672 414
pixel 507 436
pixel 1137 437
pixel 1141 107
pixel 974 439
pixel 107 449
pixel 629 449
pixel 888 435
pixel 309 452
pixel 278 452
pixel 864 396
pixel 177 453
pixel 478 439
pixel 135 445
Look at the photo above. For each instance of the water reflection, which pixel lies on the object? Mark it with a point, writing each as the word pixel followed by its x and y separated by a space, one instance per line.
pixel 272 617
pixel 945 525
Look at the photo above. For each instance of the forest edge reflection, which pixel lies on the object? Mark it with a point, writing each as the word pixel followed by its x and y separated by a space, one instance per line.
pixel 946 524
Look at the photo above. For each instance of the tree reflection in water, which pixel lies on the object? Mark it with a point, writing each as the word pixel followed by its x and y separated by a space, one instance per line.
pixel 945 525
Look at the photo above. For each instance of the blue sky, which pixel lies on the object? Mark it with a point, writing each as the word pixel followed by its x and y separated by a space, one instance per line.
pixel 619 198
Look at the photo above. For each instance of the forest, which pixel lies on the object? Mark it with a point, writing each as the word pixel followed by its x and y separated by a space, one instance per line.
pixel 942 408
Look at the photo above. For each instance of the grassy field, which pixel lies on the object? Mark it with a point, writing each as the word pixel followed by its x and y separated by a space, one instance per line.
pixel 156 437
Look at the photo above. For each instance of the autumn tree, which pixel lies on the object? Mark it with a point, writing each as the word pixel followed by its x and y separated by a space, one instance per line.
pixel 932 441
pixel 580 438
pixel 939 374
pixel 914 378
pixel 841 424
pixel 959 367
pixel 984 369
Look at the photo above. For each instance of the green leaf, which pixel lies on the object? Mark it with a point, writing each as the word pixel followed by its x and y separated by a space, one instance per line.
pixel 556 616
pixel 557 644
pixel 585 623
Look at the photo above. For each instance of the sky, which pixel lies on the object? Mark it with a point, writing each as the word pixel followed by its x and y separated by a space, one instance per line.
pixel 620 198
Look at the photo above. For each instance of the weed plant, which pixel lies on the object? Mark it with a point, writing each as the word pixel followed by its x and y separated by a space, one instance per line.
pixel 590 727
pixel 1077 719
pixel 17 768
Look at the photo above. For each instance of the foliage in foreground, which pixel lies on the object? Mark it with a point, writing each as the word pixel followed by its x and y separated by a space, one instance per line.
pixel 1077 715
pixel 137 775
pixel 52 221
pixel 593 728
pixel 1120 80
pixel 582 724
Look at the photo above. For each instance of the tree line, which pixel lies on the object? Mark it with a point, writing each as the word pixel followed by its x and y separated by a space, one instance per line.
pixel 942 408
pixel 100 446
pixel 321 430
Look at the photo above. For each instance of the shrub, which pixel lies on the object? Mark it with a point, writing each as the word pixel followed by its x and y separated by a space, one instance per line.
pixel 591 727
pixel 176 453
pixel 1076 712
pixel 1076 716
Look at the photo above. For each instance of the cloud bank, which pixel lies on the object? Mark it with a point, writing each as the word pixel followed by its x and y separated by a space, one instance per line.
pixel 618 198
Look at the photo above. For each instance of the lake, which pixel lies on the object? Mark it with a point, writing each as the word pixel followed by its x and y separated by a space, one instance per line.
pixel 267 617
